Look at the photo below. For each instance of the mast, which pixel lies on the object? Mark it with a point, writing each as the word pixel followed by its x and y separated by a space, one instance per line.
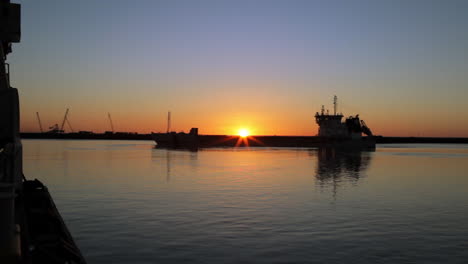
pixel 40 123
pixel 335 104
pixel 168 122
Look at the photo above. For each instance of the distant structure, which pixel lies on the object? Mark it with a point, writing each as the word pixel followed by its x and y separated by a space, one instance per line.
pixel 65 119
pixel 168 122
pixel 330 126
pixel 40 123
pixel 111 124
pixel 55 128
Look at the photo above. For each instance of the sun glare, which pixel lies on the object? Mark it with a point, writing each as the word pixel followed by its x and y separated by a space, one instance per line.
pixel 243 133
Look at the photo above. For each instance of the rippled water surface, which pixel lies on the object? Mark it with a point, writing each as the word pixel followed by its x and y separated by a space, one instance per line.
pixel 126 202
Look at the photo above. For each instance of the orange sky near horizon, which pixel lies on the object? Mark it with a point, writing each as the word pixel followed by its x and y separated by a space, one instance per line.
pixel 256 121
pixel 226 65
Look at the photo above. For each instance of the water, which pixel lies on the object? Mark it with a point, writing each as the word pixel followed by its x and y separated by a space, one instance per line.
pixel 126 202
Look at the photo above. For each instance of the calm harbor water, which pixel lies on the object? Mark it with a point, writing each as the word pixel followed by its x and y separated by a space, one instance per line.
pixel 126 202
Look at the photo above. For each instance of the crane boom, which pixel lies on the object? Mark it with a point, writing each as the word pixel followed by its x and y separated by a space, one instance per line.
pixel 40 123
pixel 69 125
pixel 365 129
pixel 64 119
pixel 110 120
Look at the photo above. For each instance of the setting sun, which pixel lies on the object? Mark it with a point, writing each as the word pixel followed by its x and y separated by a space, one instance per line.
pixel 243 132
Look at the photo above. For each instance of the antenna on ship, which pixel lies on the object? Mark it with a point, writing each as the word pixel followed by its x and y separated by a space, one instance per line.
pixel 323 109
pixel 335 104
pixel 40 123
pixel 168 122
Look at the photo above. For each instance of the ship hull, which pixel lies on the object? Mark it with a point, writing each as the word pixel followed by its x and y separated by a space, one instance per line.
pixel 174 140
pixel 187 141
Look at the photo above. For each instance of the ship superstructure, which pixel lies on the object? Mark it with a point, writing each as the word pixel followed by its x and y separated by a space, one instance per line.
pixel 331 125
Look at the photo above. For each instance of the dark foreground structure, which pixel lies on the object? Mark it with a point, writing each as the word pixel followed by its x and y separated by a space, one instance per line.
pixel 31 228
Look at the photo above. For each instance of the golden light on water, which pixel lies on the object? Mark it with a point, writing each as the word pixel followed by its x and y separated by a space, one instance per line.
pixel 243 132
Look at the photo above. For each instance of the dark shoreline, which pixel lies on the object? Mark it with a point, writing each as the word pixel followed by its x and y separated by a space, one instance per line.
pixel 282 140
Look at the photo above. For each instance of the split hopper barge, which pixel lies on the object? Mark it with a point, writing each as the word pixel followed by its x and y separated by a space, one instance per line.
pixel 332 132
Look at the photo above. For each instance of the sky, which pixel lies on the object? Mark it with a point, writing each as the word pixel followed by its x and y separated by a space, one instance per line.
pixel 266 66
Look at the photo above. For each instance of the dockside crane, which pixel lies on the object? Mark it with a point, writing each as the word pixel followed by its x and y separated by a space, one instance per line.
pixel 110 120
pixel 40 123
pixel 69 125
pixel 65 119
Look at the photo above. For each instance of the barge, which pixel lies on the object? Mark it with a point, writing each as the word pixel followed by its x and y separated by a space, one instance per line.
pixel 332 132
